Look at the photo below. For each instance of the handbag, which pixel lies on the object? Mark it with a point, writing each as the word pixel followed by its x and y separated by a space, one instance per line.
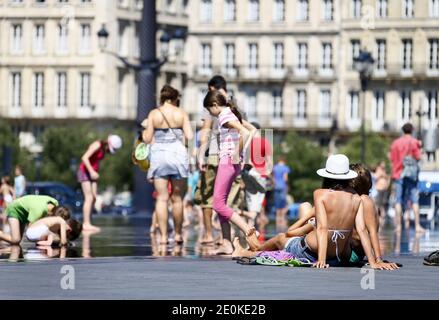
pixel 410 167
pixel 140 154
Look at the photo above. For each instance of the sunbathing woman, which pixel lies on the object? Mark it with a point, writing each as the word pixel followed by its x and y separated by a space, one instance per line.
pixel 336 205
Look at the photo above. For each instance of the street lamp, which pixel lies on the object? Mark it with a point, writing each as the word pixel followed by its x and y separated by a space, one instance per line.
pixel 147 69
pixel 364 65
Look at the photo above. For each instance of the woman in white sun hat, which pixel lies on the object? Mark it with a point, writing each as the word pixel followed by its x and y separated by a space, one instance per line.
pixel 338 209
pixel 88 173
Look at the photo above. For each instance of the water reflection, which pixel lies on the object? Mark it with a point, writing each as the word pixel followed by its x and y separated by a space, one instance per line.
pixel 130 236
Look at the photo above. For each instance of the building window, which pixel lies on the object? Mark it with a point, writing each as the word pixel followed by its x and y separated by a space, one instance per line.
pixel 405 111
pixel 85 39
pixel 206 57
pixel 84 89
pixel 278 56
pixel 229 10
pixel 433 53
pixel 408 8
pixel 378 110
pixel 381 6
pixel 326 56
pixel 39 36
pixel 16 44
pixel 302 10
pixel 327 10
pixel 277 104
pixel 325 104
pixel 229 58
pixel 353 105
pixel 16 1
pixel 355 51
pixel 251 104
pixel 432 105
pixel 355 8
pixel 253 10
pixel 434 8
pixel 407 54
pixel 15 89
pixel 301 104
pixel 63 43
pixel 278 10
pixel 302 56
pixel 381 54
pixel 61 89
pixel 123 39
pixel 253 56
pixel 206 11
pixel 38 90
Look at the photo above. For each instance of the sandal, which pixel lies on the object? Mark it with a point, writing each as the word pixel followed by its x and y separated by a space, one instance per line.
pixel 269 261
pixel 432 259
pixel 246 260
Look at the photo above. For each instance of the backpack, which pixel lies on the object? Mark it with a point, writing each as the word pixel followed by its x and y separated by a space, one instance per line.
pixel 410 167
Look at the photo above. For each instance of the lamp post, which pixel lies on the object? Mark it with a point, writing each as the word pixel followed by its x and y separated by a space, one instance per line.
pixel 147 70
pixel 364 65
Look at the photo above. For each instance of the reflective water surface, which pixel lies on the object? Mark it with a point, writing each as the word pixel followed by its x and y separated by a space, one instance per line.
pixel 130 236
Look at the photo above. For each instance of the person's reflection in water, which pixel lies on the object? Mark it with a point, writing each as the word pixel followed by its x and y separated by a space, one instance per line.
pixel 86 248
pixel 15 253
pixel 47 252
pixel 158 249
pixel 397 249
pixel 416 243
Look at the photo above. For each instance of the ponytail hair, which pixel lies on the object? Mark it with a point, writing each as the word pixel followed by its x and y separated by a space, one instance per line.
pixel 217 97
pixel 232 105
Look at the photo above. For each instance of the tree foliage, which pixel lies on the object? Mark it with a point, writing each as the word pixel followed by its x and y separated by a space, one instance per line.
pixel 304 157
pixel 377 147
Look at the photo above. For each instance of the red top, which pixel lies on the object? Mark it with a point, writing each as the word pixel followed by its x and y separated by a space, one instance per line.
pixel 95 159
pixel 260 149
pixel 401 147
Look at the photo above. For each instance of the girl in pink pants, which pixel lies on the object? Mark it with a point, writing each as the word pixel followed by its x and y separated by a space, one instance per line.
pixel 234 136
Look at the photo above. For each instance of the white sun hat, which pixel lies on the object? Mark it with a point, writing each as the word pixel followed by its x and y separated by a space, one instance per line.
pixel 114 142
pixel 337 167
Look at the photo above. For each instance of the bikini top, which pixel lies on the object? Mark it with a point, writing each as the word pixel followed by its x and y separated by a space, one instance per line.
pixel 338 234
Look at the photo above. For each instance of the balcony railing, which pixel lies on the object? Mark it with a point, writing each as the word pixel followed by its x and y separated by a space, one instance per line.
pixel 401 71
pixel 265 72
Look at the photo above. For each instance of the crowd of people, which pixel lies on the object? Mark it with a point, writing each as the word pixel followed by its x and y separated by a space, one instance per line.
pixel 225 183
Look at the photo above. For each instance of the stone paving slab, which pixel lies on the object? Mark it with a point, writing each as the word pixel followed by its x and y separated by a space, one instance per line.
pixel 211 279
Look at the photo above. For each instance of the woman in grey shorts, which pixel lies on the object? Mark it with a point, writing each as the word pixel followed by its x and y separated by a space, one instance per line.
pixel 169 126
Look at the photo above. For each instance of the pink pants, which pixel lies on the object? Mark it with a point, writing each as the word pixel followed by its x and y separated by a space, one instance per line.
pixel 226 174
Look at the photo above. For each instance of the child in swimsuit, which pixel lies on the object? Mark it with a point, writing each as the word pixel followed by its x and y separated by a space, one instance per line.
pixel 50 230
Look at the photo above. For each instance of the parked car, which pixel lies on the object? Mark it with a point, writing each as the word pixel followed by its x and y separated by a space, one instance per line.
pixel 65 195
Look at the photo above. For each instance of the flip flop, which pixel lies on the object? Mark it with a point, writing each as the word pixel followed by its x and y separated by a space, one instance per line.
pixel 246 261
pixel 432 259
pixel 269 261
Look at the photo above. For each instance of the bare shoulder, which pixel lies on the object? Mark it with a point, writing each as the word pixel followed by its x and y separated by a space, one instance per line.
pixel 321 193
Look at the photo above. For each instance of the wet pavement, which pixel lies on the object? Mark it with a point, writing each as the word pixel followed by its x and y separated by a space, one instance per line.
pixel 124 262
pixel 128 236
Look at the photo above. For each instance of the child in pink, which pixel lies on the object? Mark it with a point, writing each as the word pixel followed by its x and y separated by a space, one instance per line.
pixel 234 136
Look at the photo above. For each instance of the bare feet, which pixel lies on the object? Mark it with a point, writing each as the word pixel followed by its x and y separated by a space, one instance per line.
pixel 239 250
pixel 178 239
pixel 207 240
pixel 252 240
pixel 90 227
pixel 225 249
pixel 163 241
